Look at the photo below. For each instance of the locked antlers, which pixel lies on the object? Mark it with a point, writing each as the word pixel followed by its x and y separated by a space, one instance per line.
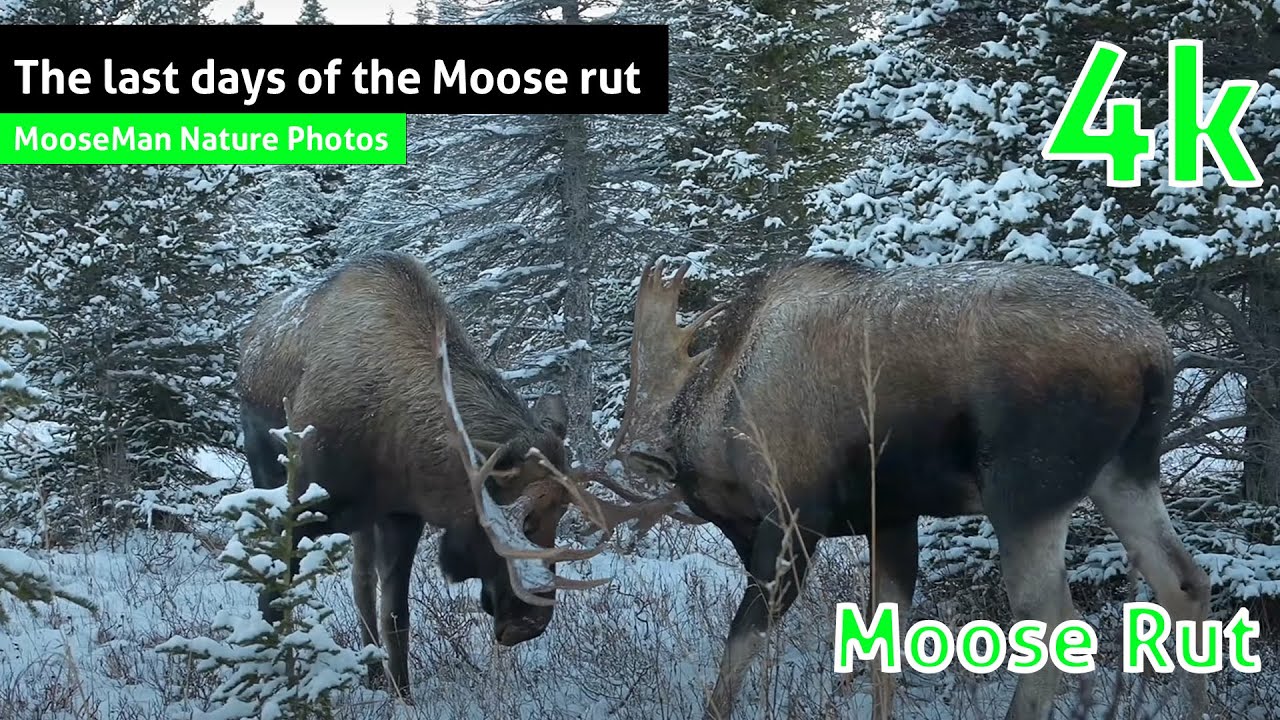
pixel 528 563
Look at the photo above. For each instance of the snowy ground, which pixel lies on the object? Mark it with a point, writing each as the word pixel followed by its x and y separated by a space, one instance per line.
pixel 645 647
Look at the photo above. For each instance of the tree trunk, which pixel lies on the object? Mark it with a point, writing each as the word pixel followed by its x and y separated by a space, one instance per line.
pixel 1262 436
pixel 576 204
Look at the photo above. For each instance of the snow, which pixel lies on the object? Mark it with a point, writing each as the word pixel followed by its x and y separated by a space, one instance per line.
pixel 21 327
pixel 644 646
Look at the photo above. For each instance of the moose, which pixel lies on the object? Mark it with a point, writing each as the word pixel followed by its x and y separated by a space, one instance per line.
pixel 372 358
pixel 972 388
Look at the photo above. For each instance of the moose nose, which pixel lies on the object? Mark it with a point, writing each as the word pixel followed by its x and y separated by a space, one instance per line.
pixel 650 465
pixel 514 632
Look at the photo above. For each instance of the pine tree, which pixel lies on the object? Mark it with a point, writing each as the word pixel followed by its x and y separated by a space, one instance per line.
pixel 289 670
pixel 313 13
pixel 424 13
pixel 20 576
pixel 172 12
pixel 134 267
pixel 61 12
pixel 451 12
pixel 247 14
pixel 133 264
pixel 749 141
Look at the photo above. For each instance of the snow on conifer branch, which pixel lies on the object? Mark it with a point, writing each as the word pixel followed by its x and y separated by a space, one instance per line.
pixel 14 390
pixel 292 668
pixel 20 575
pixel 23 578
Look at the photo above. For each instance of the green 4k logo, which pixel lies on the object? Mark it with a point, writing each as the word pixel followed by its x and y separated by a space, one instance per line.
pixel 1124 144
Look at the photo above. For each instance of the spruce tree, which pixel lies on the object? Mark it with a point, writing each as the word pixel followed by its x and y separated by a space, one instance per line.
pixel 247 14
pixel 313 13
pixel 20 575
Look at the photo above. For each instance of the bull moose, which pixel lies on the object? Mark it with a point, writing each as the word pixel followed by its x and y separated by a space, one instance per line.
pixel 1002 389
pixel 374 361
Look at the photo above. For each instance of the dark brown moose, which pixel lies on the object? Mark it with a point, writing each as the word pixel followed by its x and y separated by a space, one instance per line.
pixel 1002 389
pixel 412 428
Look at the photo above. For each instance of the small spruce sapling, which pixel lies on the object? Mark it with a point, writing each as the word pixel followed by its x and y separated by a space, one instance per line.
pixel 290 670
pixel 20 575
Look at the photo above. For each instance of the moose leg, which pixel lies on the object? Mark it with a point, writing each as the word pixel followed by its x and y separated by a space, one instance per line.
pixel 894 567
pixel 766 599
pixel 398 537
pixel 364 579
pixel 1035 578
pixel 1132 506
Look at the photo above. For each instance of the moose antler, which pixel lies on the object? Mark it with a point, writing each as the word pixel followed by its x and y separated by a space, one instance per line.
pixel 504 524
pixel 657 303
pixel 659 346
pixel 648 510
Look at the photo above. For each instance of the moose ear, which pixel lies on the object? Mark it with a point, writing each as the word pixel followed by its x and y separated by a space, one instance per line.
pixel 552 413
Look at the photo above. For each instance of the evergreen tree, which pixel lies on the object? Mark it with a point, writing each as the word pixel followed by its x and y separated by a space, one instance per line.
pixel 61 12
pixel 749 141
pixel 172 12
pixel 291 669
pixel 247 14
pixel 133 264
pixel 424 13
pixel 313 13
pixel 451 12
pixel 20 576
pixel 135 267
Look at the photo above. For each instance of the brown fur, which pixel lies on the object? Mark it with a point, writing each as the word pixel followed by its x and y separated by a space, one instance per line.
pixel 357 361
pixel 1005 389
pixel 988 334
pixel 355 355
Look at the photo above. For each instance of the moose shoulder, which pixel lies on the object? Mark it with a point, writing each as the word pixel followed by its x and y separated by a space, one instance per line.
pixel 1005 389
pixel 360 356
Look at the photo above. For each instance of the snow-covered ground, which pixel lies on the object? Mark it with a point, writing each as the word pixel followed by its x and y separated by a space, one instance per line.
pixel 646 646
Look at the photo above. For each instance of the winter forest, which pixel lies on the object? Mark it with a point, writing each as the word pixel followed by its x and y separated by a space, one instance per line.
pixel 889 133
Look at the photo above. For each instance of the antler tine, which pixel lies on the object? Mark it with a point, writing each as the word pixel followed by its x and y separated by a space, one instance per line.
pixel 557 581
pixel 677 280
pixel 657 266
pixel 589 504
pixel 640 506
pixel 702 319
pixel 705 316
pixel 653 273
pixel 675 495
pixel 488 510
pixel 514 515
